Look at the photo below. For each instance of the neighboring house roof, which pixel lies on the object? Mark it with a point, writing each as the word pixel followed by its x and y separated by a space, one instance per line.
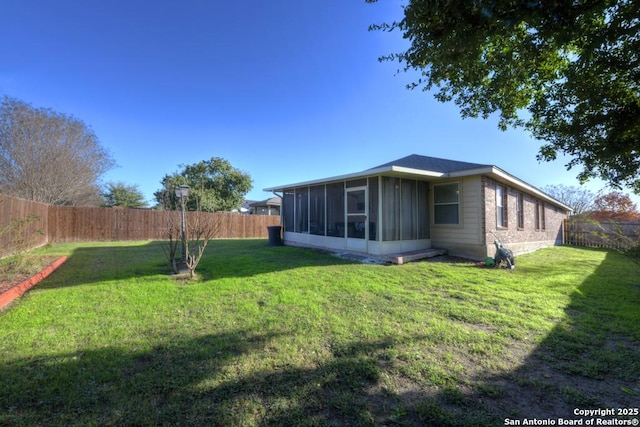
pixel 417 165
pixel 247 203
pixel 273 201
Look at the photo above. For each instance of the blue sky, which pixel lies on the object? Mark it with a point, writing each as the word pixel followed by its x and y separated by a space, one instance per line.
pixel 286 91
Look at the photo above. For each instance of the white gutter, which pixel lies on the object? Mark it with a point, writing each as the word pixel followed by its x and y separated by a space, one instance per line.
pixel 369 172
pixel 496 172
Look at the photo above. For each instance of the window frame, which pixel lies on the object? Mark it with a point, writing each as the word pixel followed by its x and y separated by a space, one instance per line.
pixel 540 220
pixel 501 207
pixel 520 210
pixel 436 204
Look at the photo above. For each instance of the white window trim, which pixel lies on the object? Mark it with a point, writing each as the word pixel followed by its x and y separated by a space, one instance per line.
pixel 503 205
pixel 458 203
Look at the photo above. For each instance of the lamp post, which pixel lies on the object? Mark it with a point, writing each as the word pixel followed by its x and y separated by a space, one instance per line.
pixel 182 192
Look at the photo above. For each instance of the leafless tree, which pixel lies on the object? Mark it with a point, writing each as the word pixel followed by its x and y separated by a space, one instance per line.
pixel 579 199
pixel 48 156
pixel 201 227
pixel 172 234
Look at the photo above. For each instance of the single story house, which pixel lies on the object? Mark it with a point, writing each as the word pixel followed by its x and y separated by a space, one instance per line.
pixel 416 203
pixel 266 207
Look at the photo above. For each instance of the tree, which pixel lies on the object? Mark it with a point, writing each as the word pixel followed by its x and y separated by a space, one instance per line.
pixel 48 156
pixel 568 71
pixel 215 186
pixel 201 227
pixel 615 206
pixel 577 198
pixel 123 195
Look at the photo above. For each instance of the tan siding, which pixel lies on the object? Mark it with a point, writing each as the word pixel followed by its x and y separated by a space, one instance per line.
pixel 465 237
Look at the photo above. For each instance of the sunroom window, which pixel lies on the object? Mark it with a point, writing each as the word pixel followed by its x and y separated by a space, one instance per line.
pixel 302 210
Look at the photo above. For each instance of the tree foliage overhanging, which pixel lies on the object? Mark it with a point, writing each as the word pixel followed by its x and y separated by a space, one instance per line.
pixel 215 186
pixel 568 71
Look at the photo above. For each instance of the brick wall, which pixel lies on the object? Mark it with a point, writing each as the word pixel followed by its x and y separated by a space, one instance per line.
pixel 524 239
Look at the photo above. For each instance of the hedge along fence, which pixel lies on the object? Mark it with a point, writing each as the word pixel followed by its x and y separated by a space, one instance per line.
pixel 601 234
pixel 58 224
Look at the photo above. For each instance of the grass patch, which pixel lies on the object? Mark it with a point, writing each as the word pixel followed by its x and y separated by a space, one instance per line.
pixel 288 336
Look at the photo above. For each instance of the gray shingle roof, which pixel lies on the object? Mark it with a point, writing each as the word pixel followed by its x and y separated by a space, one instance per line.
pixel 434 164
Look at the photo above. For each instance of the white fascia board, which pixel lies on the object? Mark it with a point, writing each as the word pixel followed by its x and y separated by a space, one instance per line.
pixel 420 172
pixel 518 183
pixel 330 179
pixel 363 174
pixel 484 170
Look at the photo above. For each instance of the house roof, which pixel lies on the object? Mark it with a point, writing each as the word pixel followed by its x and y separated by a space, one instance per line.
pixel 432 168
pixel 415 161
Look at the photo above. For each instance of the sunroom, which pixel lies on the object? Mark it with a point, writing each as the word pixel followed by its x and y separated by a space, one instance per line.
pixel 385 210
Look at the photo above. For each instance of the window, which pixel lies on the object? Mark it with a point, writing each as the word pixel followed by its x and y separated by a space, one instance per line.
pixel 446 204
pixel 335 209
pixel 357 183
pixel 520 209
pixel 316 210
pixel 288 209
pixel 302 210
pixel 373 208
pixel 403 202
pixel 539 216
pixel 391 208
pixel 501 206
pixel 409 210
pixel 423 210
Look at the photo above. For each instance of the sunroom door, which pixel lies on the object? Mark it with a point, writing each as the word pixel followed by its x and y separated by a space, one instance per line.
pixel 357 229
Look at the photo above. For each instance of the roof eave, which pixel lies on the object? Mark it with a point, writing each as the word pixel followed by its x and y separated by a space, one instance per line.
pixel 363 174
pixel 518 183
pixel 493 171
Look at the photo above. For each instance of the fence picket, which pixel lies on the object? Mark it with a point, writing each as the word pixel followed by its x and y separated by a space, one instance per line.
pixel 601 234
pixel 61 224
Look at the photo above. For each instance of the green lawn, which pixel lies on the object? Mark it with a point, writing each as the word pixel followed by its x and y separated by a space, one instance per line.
pixel 288 336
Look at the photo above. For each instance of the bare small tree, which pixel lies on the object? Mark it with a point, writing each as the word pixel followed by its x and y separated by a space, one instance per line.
pixel 172 233
pixel 49 157
pixel 201 227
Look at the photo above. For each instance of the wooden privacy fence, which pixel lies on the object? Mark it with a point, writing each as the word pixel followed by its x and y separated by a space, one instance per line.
pixel 57 224
pixel 83 224
pixel 23 225
pixel 601 234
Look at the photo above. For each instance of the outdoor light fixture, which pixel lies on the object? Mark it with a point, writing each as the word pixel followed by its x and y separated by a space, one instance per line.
pixel 182 192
